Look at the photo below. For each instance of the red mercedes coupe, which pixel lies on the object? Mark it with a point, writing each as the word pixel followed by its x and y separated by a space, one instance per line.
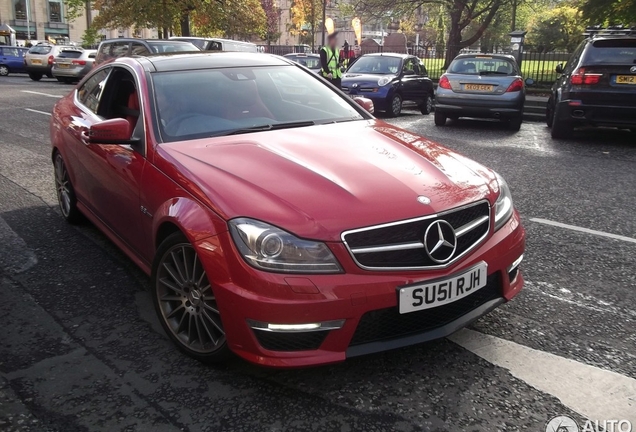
pixel 278 219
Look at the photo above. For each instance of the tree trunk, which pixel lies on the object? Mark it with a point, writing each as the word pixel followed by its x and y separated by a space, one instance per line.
pixel 185 24
pixel 453 43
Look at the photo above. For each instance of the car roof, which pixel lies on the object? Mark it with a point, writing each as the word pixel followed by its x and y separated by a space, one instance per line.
pixel 387 54
pixel 205 60
pixel 487 55
pixel 142 40
pixel 301 55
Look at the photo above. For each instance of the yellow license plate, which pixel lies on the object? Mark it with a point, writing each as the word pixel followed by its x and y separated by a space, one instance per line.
pixel 34 61
pixel 625 79
pixel 62 65
pixel 478 87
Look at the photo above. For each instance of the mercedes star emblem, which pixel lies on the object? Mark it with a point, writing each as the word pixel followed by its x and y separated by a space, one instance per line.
pixel 440 241
pixel 633 69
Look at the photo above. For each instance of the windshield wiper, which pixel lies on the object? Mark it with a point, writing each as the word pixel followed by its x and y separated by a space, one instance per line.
pixel 492 73
pixel 265 127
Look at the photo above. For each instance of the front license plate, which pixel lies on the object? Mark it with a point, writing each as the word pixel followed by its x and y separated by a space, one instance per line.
pixel 36 62
pixel 433 294
pixel 478 87
pixel 625 79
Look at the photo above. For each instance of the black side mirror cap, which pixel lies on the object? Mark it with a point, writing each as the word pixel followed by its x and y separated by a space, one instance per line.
pixel 559 68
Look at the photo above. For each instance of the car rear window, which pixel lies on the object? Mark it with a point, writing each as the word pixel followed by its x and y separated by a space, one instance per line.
pixel 165 47
pixel 70 54
pixel 614 51
pixel 40 50
pixel 310 62
pixel 482 65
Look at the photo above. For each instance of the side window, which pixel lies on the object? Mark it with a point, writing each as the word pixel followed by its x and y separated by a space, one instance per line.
pixel 409 66
pixel 120 97
pixel 90 93
pixel 574 59
pixel 11 52
pixel 103 53
pixel 423 71
pixel 139 49
pixel 119 49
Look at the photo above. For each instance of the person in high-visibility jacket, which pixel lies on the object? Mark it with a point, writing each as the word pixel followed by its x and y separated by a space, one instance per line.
pixel 330 61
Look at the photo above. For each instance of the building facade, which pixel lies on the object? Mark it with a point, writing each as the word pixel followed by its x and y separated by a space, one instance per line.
pixel 42 20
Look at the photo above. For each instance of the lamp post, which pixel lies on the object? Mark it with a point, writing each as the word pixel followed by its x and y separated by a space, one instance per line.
pixel 324 18
pixel 28 18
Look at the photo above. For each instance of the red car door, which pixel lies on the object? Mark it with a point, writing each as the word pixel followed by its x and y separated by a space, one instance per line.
pixel 112 173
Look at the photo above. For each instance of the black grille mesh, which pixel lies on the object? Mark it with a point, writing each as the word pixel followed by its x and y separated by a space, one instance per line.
pixel 275 341
pixel 386 324
pixel 414 232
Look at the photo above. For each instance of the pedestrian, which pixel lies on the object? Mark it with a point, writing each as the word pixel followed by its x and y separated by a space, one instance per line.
pixel 330 61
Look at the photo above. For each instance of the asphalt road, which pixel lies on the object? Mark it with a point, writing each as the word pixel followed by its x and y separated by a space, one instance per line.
pixel 82 350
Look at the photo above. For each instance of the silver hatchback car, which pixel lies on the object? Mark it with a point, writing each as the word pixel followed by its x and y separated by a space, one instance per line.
pixel 72 64
pixel 483 86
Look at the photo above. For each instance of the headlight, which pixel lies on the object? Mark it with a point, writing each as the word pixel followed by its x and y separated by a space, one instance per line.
pixel 269 248
pixel 503 205
pixel 384 81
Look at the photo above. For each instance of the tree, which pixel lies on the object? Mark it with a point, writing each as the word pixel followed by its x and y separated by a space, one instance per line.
pixel 610 11
pixel 90 38
pixel 305 16
pixel 558 29
pixel 461 13
pixel 272 12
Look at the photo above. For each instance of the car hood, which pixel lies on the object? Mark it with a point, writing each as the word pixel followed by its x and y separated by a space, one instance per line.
pixel 321 180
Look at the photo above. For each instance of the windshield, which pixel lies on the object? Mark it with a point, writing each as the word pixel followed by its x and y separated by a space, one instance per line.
pixel 45 49
pixel 482 65
pixel 166 47
pixel 216 102
pixel 376 65
pixel 616 51
pixel 310 62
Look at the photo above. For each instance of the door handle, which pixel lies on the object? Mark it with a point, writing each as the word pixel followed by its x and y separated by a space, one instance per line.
pixel 84 136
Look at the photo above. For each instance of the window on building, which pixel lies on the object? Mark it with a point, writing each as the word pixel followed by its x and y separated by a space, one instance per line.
pixel 19 9
pixel 55 11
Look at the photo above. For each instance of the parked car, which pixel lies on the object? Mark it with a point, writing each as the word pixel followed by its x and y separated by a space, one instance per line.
pixel 218 44
pixel 72 64
pixel 38 61
pixel 290 233
pixel 310 61
pixel 389 79
pixel 12 60
pixel 597 86
pixel 482 86
pixel 115 48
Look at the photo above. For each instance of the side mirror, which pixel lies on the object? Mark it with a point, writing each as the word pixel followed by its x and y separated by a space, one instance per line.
pixel 559 68
pixel 365 103
pixel 409 72
pixel 113 131
pixel 529 82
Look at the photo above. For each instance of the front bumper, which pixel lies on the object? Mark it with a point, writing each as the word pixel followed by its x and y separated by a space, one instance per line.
pixel 248 298
pixel 381 99
pixel 482 106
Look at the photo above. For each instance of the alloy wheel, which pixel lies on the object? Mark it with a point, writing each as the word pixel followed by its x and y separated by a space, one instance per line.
pixel 186 301
pixel 4 71
pixel 396 105
pixel 62 186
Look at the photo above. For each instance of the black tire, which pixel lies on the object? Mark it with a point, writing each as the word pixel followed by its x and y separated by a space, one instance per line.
pixel 35 76
pixel 49 75
pixel 426 107
pixel 4 70
pixel 396 105
pixel 560 129
pixel 69 80
pixel 440 118
pixel 177 295
pixel 549 112
pixel 60 79
pixel 65 192
pixel 514 124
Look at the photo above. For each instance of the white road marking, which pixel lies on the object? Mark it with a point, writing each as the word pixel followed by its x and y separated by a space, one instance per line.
pixel 42 94
pixel 37 111
pixel 584 230
pixel 595 393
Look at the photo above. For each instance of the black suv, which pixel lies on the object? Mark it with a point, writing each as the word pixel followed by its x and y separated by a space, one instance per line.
pixel 597 86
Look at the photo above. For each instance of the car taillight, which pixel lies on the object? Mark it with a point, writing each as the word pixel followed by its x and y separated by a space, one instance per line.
pixel 517 85
pixel 50 60
pixel 79 62
pixel 582 78
pixel 445 83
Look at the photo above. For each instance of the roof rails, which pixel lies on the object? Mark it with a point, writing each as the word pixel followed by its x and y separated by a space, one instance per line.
pixel 614 30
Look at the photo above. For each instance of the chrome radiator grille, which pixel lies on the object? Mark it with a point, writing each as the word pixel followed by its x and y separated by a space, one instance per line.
pixel 401 245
